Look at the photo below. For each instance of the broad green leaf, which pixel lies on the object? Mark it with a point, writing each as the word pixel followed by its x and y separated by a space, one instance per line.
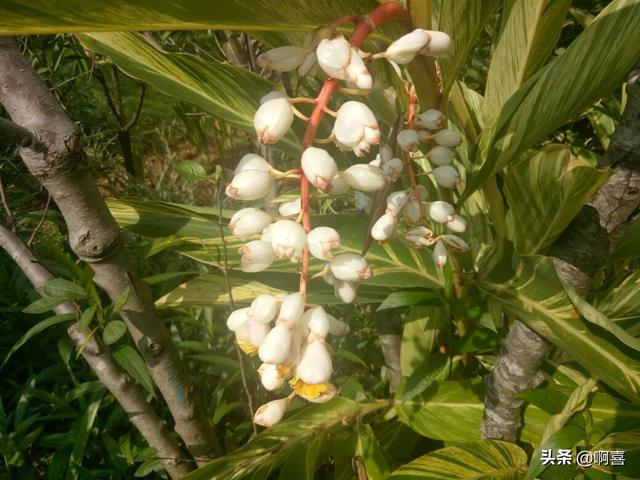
pixel 22 17
pixel 190 170
pixel 44 304
pixel 623 301
pixel 419 337
pixel 270 448
pixel 61 288
pixel 483 460
pixel 148 466
pixel 452 412
pixel 81 434
pixel 113 331
pixel 302 459
pixel 463 20
pixel 36 329
pixel 132 362
pixel 369 452
pixel 528 288
pixel 594 316
pixel 566 437
pixel 627 442
pixel 628 246
pixel 596 63
pixel 528 35
pixel 227 92
pixel 544 193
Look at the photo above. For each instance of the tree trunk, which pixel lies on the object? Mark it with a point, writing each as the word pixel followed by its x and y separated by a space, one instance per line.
pixel 577 254
pixel 95 237
pixel 129 395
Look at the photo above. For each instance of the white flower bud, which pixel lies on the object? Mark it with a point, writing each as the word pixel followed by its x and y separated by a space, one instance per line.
pixel 338 327
pixel 420 237
pixel 396 202
pixel 456 243
pixel 408 140
pixel 439 44
pixel 257 332
pixel 319 167
pixel 248 221
pixel 249 185
pixel 385 227
pixel 357 72
pixel 446 176
pixel 288 239
pixel 270 413
pixel 270 377
pixel 432 119
pixel 440 254
pixel 290 209
pixel 256 256
pixel 404 49
pixel 308 65
pixel 393 169
pixel 345 291
pixel 457 224
pixel 356 128
pixel 315 366
pixel 338 185
pixel 441 211
pixel 364 177
pixel 321 240
pixel 324 397
pixel 350 267
pixel 447 138
pixel 291 309
pixel 252 161
pixel 439 155
pixel 275 346
pixel 319 322
pixel 413 210
pixel 421 192
pixel 238 319
pixel 334 56
pixel 272 120
pixel 264 308
pixel 282 59
pixel 266 234
pixel 385 154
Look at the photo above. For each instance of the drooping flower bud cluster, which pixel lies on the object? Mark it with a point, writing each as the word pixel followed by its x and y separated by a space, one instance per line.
pixel 290 342
pixel 430 131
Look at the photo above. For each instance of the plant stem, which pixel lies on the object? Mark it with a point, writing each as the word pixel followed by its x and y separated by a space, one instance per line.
pixel 364 27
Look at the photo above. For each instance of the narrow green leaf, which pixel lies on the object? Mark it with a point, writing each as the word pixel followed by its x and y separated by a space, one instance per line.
pixel 423 376
pixel 190 170
pixel 483 460
pixel 420 334
pixel 121 301
pixel 301 461
pixel 132 362
pixel 147 467
pixel 87 317
pixel 407 298
pixel 228 92
pixel 566 437
pixel 61 288
pixel 627 442
pixel 81 434
pixel 585 72
pixel 44 304
pixel 623 301
pixel 37 328
pixel 368 449
pixel 113 331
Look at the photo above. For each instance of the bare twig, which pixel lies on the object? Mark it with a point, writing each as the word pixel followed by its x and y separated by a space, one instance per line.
pixel 136 114
pixel 7 209
pixel 40 223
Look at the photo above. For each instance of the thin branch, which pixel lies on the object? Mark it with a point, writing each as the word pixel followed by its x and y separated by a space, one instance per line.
pixel 40 223
pixel 136 113
pixel 107 93
pixel 14 134
pixel 7 209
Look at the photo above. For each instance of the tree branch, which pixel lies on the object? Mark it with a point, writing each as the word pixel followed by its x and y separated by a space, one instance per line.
pixel 127 393
pixel 13 134
pixel 578 254
pixel 95 237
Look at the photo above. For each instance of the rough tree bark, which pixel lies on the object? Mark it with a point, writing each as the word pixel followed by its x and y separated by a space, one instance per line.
pixel 128 394
pixel 95 237
pixel 577 254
